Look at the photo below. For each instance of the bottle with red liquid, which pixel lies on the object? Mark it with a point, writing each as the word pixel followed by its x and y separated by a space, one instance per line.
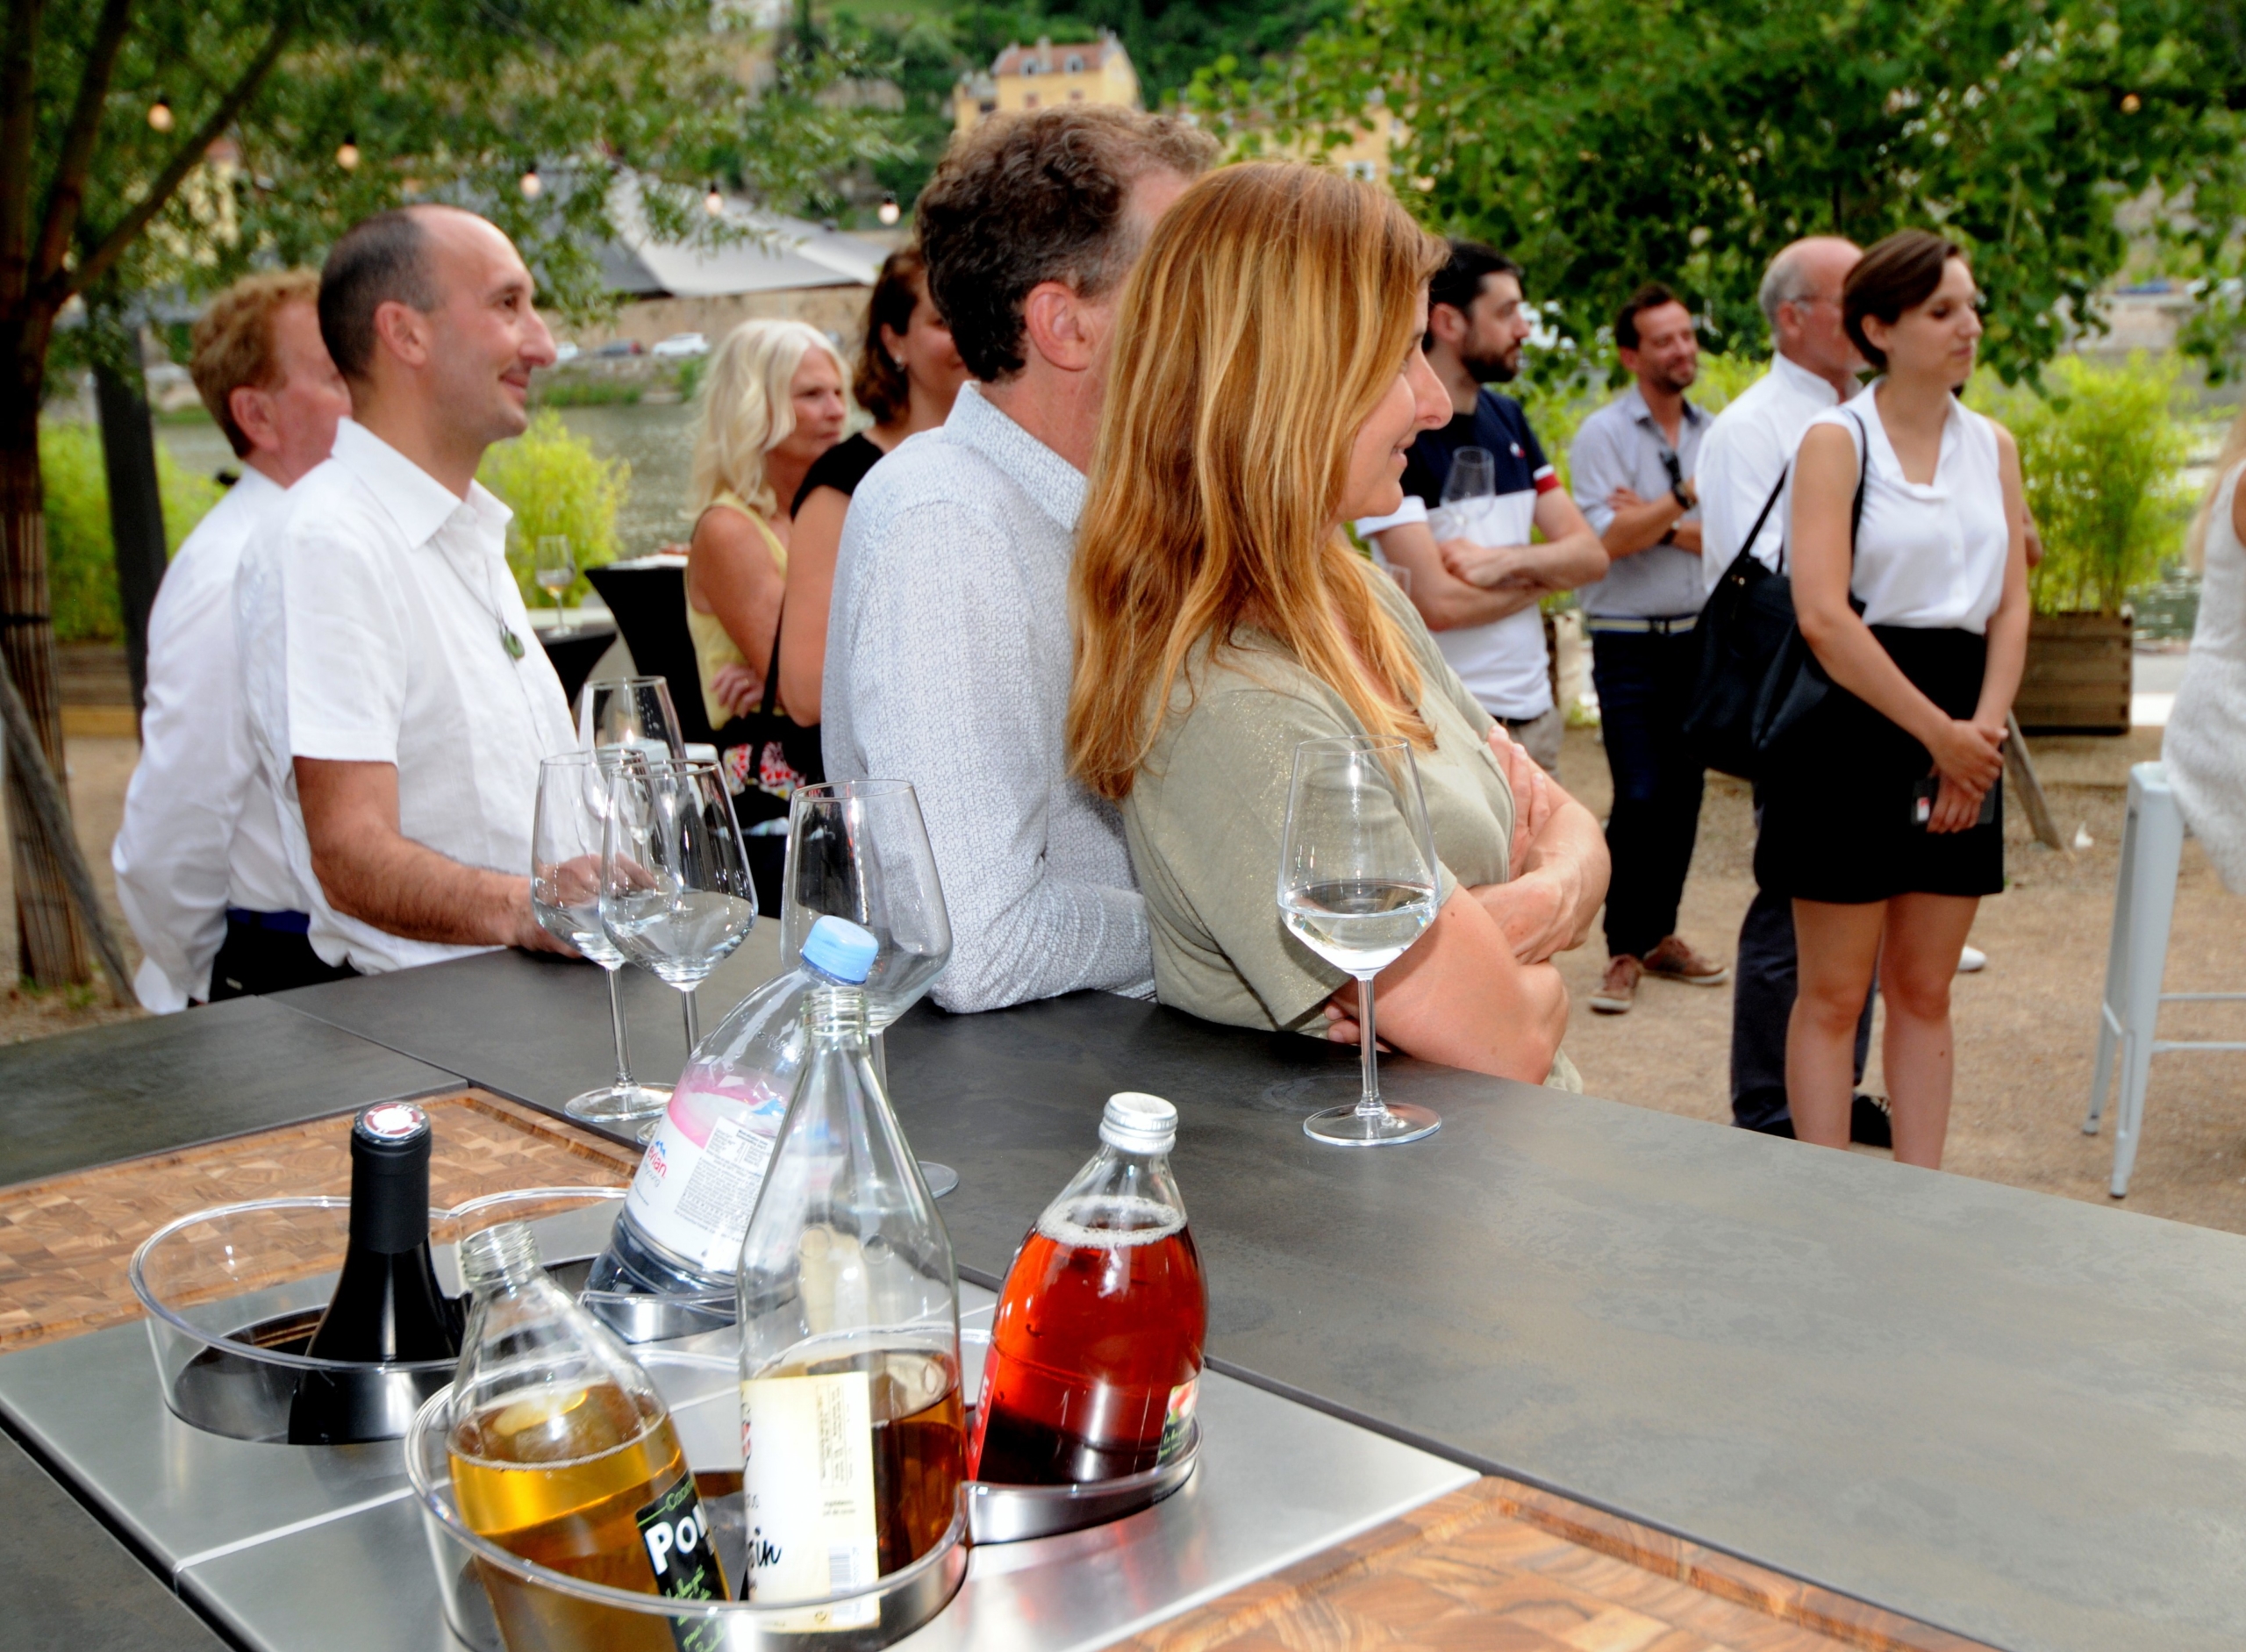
pixel 1095 1352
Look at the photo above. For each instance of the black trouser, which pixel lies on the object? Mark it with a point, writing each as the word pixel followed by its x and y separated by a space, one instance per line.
pixel 257 958
pixel 1645 683
pixel 1761 1001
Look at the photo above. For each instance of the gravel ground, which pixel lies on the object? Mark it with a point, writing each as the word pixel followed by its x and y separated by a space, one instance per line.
pixel 2026 1027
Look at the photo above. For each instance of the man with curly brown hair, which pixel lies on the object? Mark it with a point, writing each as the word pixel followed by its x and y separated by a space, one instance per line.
pixel 948 648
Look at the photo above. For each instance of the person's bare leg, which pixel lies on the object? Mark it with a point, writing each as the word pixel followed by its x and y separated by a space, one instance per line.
pixel 1918 962
pixel 1838 947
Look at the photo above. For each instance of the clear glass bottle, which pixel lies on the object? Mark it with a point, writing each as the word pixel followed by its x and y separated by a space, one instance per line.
pixel 851 1413
pixel 563 1452
pixel 1095 1358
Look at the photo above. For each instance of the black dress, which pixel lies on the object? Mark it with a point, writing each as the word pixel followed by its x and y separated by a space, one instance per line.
pixel 842 468
pixel 1838 820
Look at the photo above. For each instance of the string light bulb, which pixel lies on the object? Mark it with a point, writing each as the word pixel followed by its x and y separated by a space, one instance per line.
pixel 889 212
pixel 159 114
pixel 530 184
pixel 2131 103
pixel 713 203
pixel 347 153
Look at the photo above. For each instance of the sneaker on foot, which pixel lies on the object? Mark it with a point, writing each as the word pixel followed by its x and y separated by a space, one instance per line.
pixel 1972 961
pixel 1674 960
pixel 1618 987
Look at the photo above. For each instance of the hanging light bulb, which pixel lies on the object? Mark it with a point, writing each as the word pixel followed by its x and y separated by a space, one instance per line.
pixel 159 114
pixel 713 203
pixel 347 153
pixel 889 212
pixel 2131 103
pixel 530 183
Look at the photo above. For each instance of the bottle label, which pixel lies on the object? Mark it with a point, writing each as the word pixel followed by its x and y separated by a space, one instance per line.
pixel 693 1198
pixel 808 1442
pixel 677 1533
pixel 1178 1422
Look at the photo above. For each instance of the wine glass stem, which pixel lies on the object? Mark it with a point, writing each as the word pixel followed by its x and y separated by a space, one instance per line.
pixel 693 1022
pixel 624 1079
pixel 1369 1104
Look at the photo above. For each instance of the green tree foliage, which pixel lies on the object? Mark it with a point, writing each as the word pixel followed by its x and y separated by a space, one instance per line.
pixel 82 564
pixel 1603 142
pixel 2101 452
pixel 554 483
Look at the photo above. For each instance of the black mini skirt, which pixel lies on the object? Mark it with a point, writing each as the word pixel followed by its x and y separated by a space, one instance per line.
pixel 1838 807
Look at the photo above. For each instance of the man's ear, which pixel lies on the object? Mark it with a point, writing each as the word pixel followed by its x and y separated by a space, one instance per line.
pixel 1447 324
pixel 1060 326
pixel 402 331
pixel 1628 358
pixel 252 414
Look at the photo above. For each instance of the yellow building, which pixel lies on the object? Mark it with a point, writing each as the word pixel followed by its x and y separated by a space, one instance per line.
pixel 1364 155
pixel 1044 75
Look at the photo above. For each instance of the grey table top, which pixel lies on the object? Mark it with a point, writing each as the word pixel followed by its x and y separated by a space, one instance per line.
pixel 2015 1416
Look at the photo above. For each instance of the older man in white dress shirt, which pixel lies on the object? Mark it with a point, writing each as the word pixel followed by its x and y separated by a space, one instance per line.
pixel 398 698
pixel 202 870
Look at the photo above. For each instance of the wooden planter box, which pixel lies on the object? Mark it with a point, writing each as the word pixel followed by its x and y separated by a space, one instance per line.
pixel 2077 677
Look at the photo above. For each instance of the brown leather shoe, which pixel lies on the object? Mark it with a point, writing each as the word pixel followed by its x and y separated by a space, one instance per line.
pixel 1674 961
pixel 1619 988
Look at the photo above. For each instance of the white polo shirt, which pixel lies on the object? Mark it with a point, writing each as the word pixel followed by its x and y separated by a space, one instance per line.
pixel 1748 448
pixel 201 831
pixel 373 607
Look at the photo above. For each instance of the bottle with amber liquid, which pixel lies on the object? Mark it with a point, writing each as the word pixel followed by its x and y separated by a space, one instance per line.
pixel 388 1306
pixel 564 1453
pixel 852 1419
pixel 1095 1358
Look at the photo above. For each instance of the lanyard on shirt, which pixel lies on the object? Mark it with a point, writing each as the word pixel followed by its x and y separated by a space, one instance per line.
pixel 508 639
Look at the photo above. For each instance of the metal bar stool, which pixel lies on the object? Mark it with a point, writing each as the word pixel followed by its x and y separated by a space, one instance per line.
pixel 2144 904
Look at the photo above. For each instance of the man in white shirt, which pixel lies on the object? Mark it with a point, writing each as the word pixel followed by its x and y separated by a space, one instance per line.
pixel 948 651
pixel 202 872
pixel 399 700
pixel 1744 460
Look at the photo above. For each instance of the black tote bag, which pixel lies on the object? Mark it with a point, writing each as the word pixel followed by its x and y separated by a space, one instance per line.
pixel 766 754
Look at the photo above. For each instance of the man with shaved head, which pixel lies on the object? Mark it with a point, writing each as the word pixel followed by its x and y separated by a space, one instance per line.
pixel 398 699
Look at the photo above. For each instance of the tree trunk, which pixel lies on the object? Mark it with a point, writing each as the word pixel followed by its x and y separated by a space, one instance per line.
pixel 51 949
pixel 136 507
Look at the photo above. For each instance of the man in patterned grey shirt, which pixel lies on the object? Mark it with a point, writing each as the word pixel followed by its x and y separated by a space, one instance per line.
pixel 948 646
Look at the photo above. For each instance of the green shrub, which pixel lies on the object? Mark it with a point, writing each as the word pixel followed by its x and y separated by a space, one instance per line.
pixel 2100 453
pixel 555 483
pixel 81 557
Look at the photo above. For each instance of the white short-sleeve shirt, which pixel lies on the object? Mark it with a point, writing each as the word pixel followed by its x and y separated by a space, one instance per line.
pixel 374 611
pixel 1928 556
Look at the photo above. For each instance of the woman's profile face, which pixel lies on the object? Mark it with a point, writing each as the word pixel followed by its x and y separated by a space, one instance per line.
pixel 925 350
pixel 821 410
pixel 1935 339
pixel 1414 401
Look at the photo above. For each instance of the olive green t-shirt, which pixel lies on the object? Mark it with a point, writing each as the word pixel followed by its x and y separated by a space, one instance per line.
pixel 1208 809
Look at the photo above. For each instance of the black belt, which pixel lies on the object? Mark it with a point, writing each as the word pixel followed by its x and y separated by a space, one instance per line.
pixel 1670 626
pixel 281 923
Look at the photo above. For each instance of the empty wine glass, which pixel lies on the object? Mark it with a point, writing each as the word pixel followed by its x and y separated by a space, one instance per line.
pixel 556 571
pixel 565 894
pixel 629 714
pixel 674 891
pixel 1358 885
pixel 1468 493
pixel 859 849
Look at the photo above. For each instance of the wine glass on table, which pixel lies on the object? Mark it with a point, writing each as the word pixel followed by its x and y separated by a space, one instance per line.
pixel 629 714
pixel 1358 885
pixel 565 894
pixel 556 571
pixel 859 849
pixel 674 891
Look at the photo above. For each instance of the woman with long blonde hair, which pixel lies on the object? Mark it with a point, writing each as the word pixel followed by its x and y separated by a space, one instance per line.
pixel 1265 382
pixel 772 403
pixel 2204 749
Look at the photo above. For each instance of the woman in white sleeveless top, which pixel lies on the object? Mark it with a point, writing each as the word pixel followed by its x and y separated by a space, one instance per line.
pixel 2205 747
pixel 1881 821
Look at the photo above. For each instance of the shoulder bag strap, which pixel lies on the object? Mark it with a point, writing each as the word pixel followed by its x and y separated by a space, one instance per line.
pixel 772 670
pixel 1855 506
pixel 1778 487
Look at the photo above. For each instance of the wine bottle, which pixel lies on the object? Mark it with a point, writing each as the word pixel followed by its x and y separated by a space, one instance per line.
pixel 387 1306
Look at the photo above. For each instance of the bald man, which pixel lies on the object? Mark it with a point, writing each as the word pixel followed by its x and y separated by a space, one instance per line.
pixel 397 696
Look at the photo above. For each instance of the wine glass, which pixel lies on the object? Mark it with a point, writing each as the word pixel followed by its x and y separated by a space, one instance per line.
pixel 629 713
pixel 859 849
pixel 565 894
pixel 674 891
pixel 555 571
pixel 1468 491
pixel 1358 885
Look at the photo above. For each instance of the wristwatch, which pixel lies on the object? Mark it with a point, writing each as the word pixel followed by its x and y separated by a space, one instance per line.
pixel 1685 501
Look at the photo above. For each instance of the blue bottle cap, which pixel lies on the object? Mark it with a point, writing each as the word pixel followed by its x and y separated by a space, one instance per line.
pixel 839 949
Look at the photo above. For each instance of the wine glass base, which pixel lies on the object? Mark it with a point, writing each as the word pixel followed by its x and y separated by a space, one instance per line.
pixel 941 1178
pixel 620 1107
pixel 1347 1127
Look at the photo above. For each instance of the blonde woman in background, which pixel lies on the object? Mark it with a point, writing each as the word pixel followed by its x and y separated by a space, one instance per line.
pixel 772 403
pixel 1266 381
pixel 2204 749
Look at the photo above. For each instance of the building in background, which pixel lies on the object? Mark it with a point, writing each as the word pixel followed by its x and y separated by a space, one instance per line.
pixel 1043 75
